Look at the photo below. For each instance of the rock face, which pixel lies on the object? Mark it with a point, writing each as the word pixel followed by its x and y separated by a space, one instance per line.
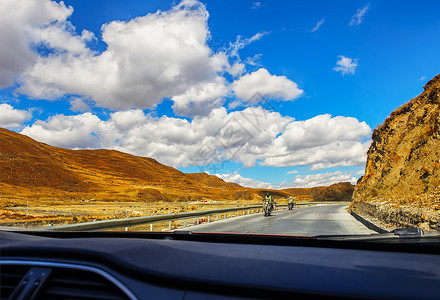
pixel 401 184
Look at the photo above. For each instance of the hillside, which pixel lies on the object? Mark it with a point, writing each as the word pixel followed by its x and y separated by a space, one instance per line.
pixel 401 184
pixel 37 171
pixel 211 180
pixel 42 184
pixel 342 191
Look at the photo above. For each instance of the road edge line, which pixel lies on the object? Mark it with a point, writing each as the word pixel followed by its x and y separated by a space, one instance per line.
pixel 368 224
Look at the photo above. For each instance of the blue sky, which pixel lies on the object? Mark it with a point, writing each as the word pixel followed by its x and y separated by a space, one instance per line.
pixel 177 81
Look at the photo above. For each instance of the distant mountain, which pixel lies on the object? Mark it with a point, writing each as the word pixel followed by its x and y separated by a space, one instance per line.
pixel 34 170
pixel 212 180
pixel 50 172
pixel 401 184
pixel 339 191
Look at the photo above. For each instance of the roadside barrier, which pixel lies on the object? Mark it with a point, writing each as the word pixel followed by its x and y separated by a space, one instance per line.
pixel 368 224
pixel 206 216
pixel 128 222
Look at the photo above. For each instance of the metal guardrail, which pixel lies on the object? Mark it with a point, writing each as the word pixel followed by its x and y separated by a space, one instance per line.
pixel 128 222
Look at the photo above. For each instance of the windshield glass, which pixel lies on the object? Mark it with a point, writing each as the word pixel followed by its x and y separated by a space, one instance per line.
pixel 296 118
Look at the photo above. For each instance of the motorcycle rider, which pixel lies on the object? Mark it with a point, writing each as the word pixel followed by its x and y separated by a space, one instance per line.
pixel 269 200
pixel 290 202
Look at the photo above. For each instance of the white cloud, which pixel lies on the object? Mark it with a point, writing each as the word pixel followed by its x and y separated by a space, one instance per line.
pixel 322 130
pixel 18 20
pixel 263 84
pixel 234 104
pixel 244 181
pixel 201 99
pixel 256 5
pixel 232 63
pixel 61 37
pixel 254 60
pixel 301 181
pixel 346 65
pixel 11 117
pixel 318 25
pixel 322 179
pixel 293 172
pixel 242 42
pixel 321 142
pixel 149 58
pixel 162 54
pixel 125 120
pixel 358 17
pixel 253 135
pixel 88 36
pixel 360 173
pixel 76 132
pixel 77 104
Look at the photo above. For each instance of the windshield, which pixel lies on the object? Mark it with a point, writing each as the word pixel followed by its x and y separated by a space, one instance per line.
pixel 299 118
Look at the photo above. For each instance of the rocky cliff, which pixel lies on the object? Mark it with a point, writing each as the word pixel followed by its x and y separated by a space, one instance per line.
pixel 401 185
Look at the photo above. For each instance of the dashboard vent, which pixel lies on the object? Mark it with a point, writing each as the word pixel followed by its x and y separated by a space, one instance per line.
pixel 67 283
pixel 10 277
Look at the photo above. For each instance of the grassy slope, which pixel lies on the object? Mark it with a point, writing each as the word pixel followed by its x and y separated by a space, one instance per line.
pixel 34 170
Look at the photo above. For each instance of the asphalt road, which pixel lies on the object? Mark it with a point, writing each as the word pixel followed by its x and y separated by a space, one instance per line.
pixel 304 221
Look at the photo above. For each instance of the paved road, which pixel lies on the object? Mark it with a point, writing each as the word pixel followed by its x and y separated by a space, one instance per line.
pixel 308 221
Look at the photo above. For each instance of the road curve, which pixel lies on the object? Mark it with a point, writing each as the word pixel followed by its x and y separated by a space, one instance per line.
pixel 304 221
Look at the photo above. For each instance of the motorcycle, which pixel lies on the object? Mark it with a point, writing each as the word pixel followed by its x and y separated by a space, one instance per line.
pixel 290 205
pixel 267 209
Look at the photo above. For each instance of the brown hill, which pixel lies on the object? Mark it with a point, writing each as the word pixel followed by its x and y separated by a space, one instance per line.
pixel 342 191
pixel 42 171
pixel 212 180
pixel 401 184
pixel 37 171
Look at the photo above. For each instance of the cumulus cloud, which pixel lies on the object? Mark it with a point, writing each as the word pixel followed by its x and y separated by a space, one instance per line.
pixel 19 19
pixel 321 142
pixel 11 117
pixel 318 25
pixel 250 136
pixel 149 58
pixel 244 181
pixel 78 105
pixel 346 65
pixel 200 99
pixel 300 181
pixel 88 36
pixel 60 37
pixel 358 17
pixel 321 179
pixel 263 84
pixel 160 55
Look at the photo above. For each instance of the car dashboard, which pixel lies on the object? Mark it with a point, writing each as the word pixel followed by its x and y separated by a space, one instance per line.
pixel 106 265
